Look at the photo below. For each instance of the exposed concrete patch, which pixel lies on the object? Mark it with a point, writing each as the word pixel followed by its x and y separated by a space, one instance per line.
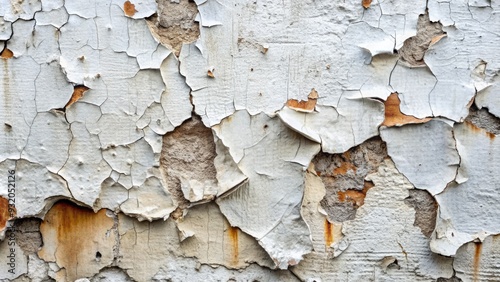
pixel 414 48
pixel 28 235
pixel 187 162
pixel 425 210
pixel 175 23
pixel 484 119
pixel 344 177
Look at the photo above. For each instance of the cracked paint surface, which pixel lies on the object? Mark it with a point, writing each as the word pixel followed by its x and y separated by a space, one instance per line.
pixel 250 140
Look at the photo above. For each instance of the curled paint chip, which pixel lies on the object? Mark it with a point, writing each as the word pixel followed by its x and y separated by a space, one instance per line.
pixel 304 106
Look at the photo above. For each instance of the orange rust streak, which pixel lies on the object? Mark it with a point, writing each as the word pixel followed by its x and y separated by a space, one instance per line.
pixel 129 8
pixel 233 236
pixel 355 196
pixel 6 54
pixel 476 129
pixel 78 93
pixel 328 233
pixel 394 116
pixel 366 3
pixel 77 230
pixel 4 213
pixel 477 259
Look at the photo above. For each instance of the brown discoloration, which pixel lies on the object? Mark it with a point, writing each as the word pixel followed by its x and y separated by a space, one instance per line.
pixel 304 106
pixel 233 237
pixel 329 233
pixel 366 3
pixel 477 259
pixel 490 135
pixel 78 93
pixel 482 118
pixel 210 73
pixel 479 130
pixel 355 196
pixel 394 116
pixel 73 235
pixel 6 54
pixel 4 213
pixel 129 8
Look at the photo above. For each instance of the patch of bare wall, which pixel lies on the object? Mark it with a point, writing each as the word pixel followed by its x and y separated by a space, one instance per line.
pixel 221 140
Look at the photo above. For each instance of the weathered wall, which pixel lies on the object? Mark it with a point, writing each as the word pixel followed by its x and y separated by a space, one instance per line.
pixel 217 140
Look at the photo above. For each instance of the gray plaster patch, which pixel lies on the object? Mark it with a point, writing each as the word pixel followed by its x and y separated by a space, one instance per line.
pixel 344 177
pixel 174 24
pixel 414 48
pixel 425 210
pixel 28 235
pixel 484 119
pixel 188 155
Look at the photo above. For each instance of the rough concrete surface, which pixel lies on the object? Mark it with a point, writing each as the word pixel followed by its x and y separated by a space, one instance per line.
pixel 249 140
pixel 344 177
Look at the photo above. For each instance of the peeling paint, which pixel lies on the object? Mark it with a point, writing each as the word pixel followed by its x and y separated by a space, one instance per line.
pixel 64 227
pixel 227 140
pixel 394 116
pixel 78 93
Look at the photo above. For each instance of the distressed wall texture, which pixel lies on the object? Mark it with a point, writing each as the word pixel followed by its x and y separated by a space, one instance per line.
pixel 249 140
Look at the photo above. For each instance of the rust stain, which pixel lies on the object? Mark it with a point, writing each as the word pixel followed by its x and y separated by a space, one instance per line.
pixel 78 93
pixel 356 197
pixel 394 116
pixel 366 3
pixel 73 235
pixel 129 8
pixel 4 213
pixel 344 168
pixel 476 129
pixel 477 258
pixel 329 237
pixel 233 236
pixel 6 54
pixel 304 106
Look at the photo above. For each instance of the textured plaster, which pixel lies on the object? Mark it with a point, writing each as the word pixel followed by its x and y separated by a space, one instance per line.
pixel 221 140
